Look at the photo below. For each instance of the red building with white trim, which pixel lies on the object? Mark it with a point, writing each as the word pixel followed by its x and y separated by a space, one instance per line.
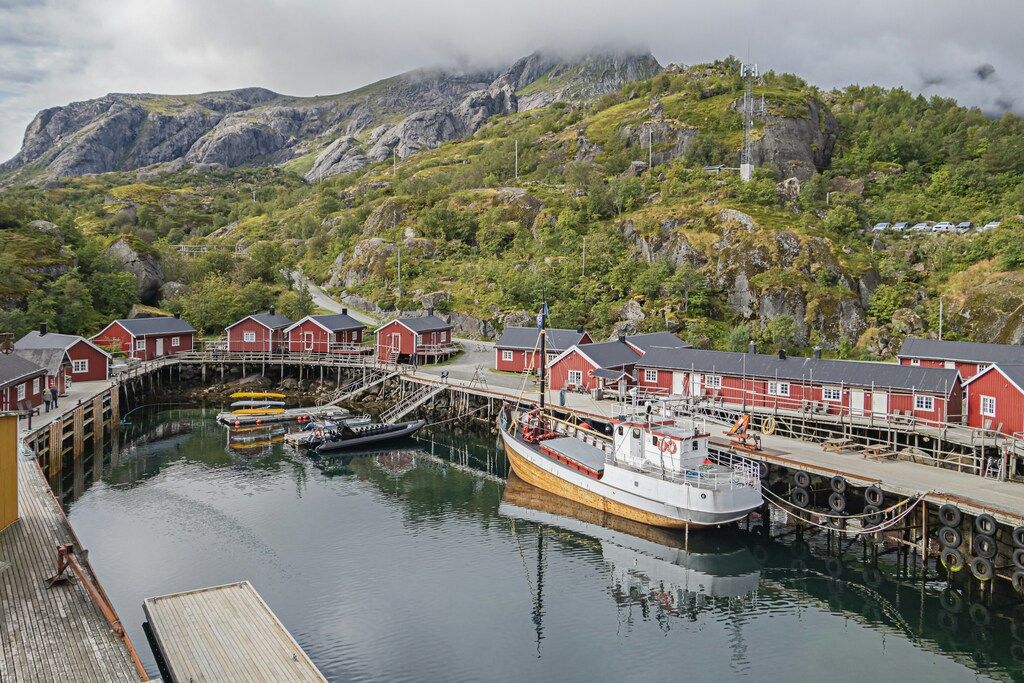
pixel 259 333
pixel 995 399
pixel 147 338
pixel 518 348
pixel 335 333
pixel 967 357
pixel 85 361
pixel 585 367
pixel 21 383
pixel 423 338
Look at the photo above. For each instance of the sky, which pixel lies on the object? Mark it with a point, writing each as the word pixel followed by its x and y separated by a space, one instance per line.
pixel 57 51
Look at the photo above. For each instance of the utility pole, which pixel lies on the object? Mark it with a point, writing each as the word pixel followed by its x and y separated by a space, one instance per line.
pixel 517 159
pixel 398 243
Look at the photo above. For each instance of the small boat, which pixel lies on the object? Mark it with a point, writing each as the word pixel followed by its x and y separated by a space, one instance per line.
pixel 346 437
pixel 257 394
pixel 251 403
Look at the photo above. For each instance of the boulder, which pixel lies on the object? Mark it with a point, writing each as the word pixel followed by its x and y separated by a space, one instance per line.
pixel 49 229
pixel 632 311
pixel 172 289
pixel 143 264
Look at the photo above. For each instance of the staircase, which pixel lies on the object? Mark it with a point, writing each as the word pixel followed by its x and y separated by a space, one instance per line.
pixel 353 388
pixel 411 402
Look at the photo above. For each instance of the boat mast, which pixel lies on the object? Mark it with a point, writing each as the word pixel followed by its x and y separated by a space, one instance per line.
pixel 542 326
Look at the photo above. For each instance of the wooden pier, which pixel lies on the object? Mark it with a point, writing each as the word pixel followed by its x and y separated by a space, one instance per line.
pixel 225 634
pixel 59 633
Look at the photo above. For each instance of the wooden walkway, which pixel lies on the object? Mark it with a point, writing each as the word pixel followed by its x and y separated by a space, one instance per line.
pixel 57 634
pixel 225 634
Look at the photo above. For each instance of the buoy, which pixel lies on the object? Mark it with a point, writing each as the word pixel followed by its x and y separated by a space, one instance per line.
pixel 1018 558
pixel 800 497
pixel 259 421
pixel 952 559
pixel 982 569
pixel 837 501
pixel 950 515
pixel 1018 537
pixel 984 545
pixel 950 537
pixel 874 495
pixel 838 484
pixel 985 524
pixel 238 423
pixel 801 479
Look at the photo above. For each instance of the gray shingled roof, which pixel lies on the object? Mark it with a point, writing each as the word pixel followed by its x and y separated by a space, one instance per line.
pixel 1014 372
pixel 605 373
pixel 424 323
pixel 274 321
pixel 14 368
pixel 611 354
pixel 794 369
pixel 972 352
pixel 50 340
pixel 142 327
pixel 49 358
pixel 338 322
pixel 525 338
pixel 656 340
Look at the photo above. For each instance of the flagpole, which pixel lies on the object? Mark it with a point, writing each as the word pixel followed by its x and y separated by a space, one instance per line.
pixel 541 324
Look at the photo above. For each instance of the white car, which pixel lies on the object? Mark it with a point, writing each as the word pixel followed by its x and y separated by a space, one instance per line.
pixel 900 227
pixel 880 227
pixel 964 226
pixel 943 226
pixel 926 226
pixel 989 226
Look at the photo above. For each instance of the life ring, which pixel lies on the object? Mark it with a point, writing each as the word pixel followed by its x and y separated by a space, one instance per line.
pixel 950 537
pixel 986 524
pixel 768 427
pixel 984 546
pixel 671 447
pixel 950 515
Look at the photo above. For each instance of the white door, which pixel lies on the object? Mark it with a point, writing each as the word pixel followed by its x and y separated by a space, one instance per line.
pixel 308 338
pixel 879 403
pixel 159 346
pixel 396 343
pixel 679 383
pixel 695 384
pixel 856 401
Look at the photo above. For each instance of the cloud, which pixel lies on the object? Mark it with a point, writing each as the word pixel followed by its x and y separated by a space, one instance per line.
pixel 56 51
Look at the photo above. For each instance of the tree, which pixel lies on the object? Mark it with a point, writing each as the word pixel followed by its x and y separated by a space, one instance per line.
pixel 1008 242
pixel 266 261
pixel 73 304
pixel 684 282
pixel 780 332
pixel 296 303
pixel 441 222
pixel 113 294
pixel 213 304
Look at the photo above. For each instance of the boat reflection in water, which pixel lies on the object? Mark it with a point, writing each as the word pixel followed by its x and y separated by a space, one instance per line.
pixel 675 571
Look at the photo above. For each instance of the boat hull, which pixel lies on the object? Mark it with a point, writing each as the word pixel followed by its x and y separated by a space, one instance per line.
pixel 407 429
pixel 534 469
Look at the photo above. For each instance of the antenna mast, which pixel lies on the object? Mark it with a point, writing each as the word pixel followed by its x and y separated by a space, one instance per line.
pixel 751 108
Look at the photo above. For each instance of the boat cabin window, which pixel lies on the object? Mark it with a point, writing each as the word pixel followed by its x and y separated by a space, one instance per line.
pixel 654 440
pixel 636 433
pixel 696 445
pixel 620 430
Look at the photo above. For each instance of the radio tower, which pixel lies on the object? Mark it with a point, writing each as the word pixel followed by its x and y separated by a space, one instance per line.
pixel 750 110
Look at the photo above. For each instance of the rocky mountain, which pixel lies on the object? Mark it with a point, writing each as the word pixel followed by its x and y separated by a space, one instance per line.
pixel 318 136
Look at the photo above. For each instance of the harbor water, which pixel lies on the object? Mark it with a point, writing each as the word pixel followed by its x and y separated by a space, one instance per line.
pixel 422 562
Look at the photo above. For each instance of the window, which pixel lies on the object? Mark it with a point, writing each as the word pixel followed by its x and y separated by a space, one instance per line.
pixel 915 361
pixel 506 354
pixel 831 394
pixel 982 367
pixel 78 366
pixel 21 392
pixel 650 375
pixel 924 403
pixel 949 365
pixel 140 344
pixel 444 336
pixel 575 377
pixel 248 336
pixel 988 406
pixel 175 342
pixel 713 381
pixel 35 386
pixel 778 388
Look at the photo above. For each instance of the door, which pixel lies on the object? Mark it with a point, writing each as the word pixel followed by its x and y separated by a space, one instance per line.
pixel 159 346
pixel 879 403
pixel 695 384
pixel 307 339
pixel 678 383
pixel 395 345
pixel 856 401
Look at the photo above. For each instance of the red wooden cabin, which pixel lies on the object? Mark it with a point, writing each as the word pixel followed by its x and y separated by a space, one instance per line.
pixel 335 333
pixel 56 364
pixel 969 358
pixel 21 383
pixel 418 339
pixel 259 333
pixel 518 348
pixel 85 361
pixel 147 338
pixel 995 399
pixel 585 367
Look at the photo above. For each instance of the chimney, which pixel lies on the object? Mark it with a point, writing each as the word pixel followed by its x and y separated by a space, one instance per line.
pixel 782 354
pixel 42 329
pixel 622 338
pixel 272 311
pixel 751 347
pixel 344 311
pixel 430 310
pixel 817 353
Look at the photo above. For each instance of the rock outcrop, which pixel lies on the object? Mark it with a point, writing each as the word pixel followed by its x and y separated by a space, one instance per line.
pixel 798 145
pixel 145 266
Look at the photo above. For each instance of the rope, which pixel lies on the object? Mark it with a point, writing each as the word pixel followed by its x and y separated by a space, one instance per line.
pixel 887 510
pixel 869 530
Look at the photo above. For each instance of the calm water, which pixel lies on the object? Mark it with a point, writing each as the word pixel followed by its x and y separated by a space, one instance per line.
pixel 403 565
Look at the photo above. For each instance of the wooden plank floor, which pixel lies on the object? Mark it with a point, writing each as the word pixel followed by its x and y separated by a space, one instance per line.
pixel 226 634
pixel 57 634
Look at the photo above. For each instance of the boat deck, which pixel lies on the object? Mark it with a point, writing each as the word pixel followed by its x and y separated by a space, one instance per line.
pixel 589 456
pixel 225 633
pixel 56 634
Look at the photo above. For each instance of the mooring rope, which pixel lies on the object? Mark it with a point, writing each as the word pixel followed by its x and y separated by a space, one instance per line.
pixel 887 510
pixel 882 526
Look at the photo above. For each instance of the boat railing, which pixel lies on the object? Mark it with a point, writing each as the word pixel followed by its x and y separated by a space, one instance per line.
pixel 709 479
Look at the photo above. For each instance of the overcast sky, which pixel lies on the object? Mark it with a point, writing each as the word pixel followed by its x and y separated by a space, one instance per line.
pixel 56 51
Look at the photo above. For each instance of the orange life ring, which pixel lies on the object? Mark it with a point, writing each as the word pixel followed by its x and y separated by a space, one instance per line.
pixel 670 445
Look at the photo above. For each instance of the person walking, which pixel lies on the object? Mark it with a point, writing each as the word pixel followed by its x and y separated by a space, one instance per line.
pixel 46 399
pixel 53 397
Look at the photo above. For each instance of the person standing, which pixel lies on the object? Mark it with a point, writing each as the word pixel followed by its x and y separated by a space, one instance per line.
pixel 46 399
pixel 53 397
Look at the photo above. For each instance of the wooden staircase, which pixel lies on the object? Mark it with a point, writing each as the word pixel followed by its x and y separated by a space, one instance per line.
pixel 411 402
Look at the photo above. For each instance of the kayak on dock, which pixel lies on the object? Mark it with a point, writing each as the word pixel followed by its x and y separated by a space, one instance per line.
pixel 354 437
pixel 252 403
pixel 258 411
pixel 257 394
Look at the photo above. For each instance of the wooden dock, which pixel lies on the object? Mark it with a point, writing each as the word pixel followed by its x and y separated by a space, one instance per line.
pixel 225 633
pixel 56 634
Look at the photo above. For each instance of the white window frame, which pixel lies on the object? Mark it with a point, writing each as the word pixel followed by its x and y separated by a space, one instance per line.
pixel 982 367
pixel 949 365
pixel 248 337
pixel 506 354
pixel 140 344
pixel 650 375
pixel 175 342
pixel 79 366
pixel 915 361
pixel 575 378
pixel 713 381
pixel 778 388
pixel 831 394
pixel 35 385
pixel 924 403
pixel 21 392
pixel 987 405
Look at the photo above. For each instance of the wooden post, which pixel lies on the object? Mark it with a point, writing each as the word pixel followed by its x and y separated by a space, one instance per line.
pixel 78 437
pixel 8 470
pixel 97 421
pixel 924 534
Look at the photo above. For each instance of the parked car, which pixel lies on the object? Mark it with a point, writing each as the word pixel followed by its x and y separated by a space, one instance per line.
pixel 924 226
pixel 880 227
pixel 989 226
pixel 964 226
pixel 943 226
pixel 900 227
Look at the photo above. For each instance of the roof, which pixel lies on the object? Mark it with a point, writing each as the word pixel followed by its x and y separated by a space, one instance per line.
pixel 142 327
pixel 656 340
pixel 49 358
pixel 1014 373
pixel 335 322
pixel 526 338
pixel 848 372
pixel 605 373
pixel 943 349
pixel 52 340
pixel 420 323
pixel 270 320
pixel 14 368
pixel 610 354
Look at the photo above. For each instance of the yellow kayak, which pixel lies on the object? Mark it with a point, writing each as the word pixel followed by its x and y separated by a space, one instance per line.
pixel 258 411
pixel 256 394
